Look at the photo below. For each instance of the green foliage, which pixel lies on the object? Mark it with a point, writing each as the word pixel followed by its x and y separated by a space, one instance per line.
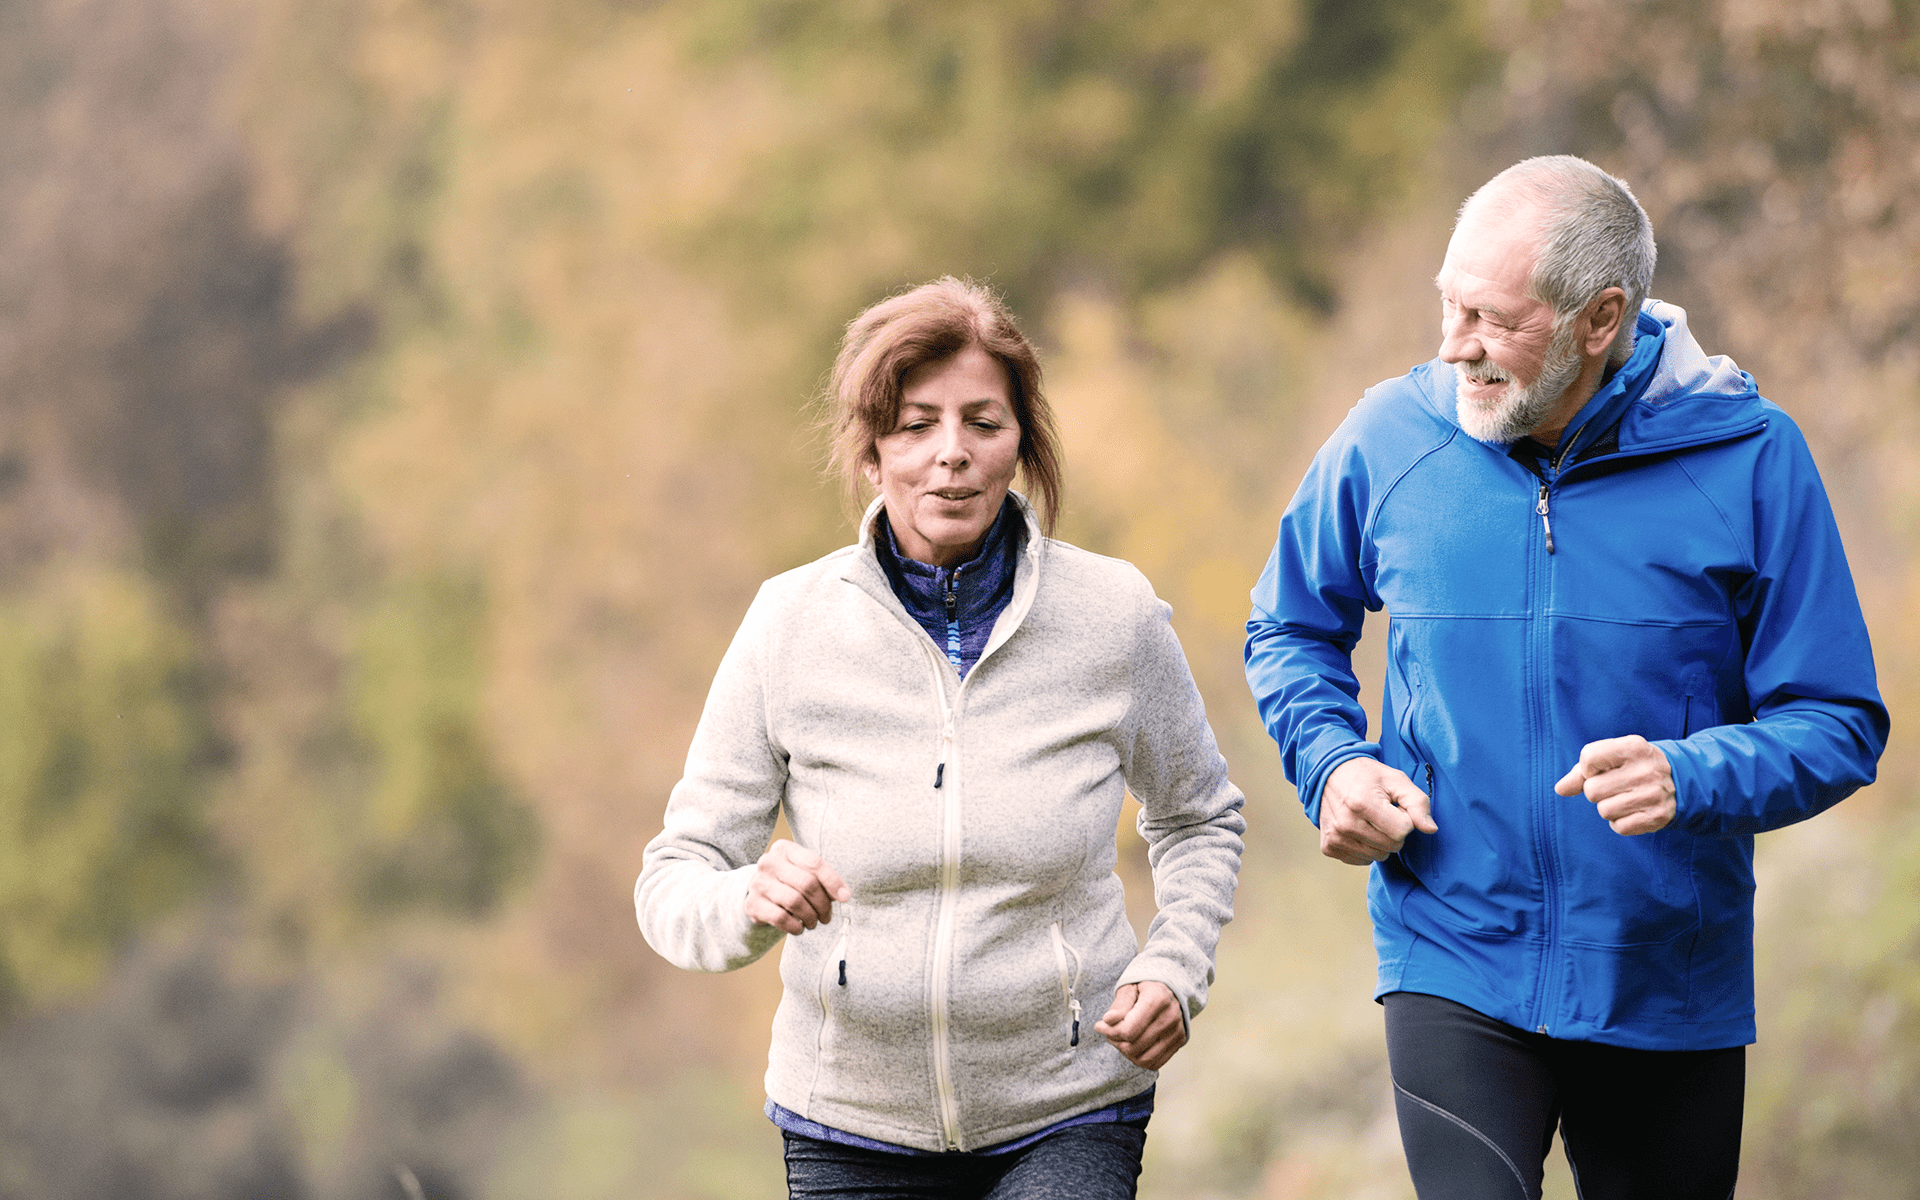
pixel 100 788
pixel 439 827
pixel 1122 142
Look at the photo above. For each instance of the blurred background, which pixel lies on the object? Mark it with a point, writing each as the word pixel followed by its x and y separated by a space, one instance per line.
pixel 400 401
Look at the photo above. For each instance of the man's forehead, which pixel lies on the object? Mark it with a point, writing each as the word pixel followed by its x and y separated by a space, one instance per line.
pixel 1493 249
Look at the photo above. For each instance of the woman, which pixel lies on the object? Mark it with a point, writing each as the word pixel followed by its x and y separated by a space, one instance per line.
pixel 949 713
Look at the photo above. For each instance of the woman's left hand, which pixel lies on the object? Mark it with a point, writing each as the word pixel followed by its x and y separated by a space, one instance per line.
pixel 1144 1024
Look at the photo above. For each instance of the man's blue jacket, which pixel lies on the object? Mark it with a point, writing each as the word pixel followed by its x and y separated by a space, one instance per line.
pixel 1671 570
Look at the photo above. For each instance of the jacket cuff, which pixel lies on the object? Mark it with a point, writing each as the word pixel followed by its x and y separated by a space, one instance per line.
pixel 1692 794
pixel 1316 780
pixel 1146 969
pixel 756 939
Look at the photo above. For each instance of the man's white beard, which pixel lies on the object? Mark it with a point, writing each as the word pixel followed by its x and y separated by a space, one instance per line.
pixel 1518 411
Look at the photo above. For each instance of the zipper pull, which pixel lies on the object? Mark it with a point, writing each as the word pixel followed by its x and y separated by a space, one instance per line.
pixel 843 972
pixel 1075 1039
pixel 1545 524
pixel 946 743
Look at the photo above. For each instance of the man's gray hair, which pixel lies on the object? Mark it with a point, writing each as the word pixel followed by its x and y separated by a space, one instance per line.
pixel 1594 233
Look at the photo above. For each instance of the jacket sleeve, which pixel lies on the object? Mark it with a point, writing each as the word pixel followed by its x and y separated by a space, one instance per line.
pixel 1190 814
pixel 1819 725
pixel 1308 608
pixel 692 890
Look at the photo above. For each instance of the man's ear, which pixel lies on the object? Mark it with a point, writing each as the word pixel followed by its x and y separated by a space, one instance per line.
pixel 1604 315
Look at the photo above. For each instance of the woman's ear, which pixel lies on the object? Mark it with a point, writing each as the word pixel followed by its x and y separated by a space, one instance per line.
pixel 870 467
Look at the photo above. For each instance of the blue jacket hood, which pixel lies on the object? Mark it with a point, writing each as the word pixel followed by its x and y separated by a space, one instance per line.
pixel 1669 393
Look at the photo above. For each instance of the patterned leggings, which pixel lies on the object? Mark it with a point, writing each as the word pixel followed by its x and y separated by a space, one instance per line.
pixel 1081 1162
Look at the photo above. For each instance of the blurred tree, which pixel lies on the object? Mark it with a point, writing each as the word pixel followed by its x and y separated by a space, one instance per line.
pixel 425 432
pixel 100 775
pixel 1120 143
pixel 440 828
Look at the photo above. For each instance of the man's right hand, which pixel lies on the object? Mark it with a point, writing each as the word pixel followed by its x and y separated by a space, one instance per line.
pixel 793 889
pixel 1367 809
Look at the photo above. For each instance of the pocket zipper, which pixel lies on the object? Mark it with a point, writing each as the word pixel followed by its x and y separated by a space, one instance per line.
pixel 1069 982
pixel 846 939
pixel 826 991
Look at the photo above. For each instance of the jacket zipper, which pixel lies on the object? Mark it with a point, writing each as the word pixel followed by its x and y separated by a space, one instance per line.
pixel 1553 466
pixel 949 799
pixel 1069 982
pixel 951 597
pixel 1543 816
pixel 946 782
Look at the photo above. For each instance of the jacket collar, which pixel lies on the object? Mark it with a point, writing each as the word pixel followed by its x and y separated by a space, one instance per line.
pixel 976 586
pixel 1669 394
pixel 864 571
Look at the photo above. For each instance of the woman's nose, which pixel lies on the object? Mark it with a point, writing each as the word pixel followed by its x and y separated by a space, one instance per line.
pixel 953 453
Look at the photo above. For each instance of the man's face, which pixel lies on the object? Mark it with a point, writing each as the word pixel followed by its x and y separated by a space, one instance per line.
pixel 1511 365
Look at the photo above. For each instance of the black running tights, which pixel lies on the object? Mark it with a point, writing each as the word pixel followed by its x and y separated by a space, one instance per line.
pixel 1478 1101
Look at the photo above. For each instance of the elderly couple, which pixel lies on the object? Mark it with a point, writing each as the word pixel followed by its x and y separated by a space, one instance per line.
pixel 1624 640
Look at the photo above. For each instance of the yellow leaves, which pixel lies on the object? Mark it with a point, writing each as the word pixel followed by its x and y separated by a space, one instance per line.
pixel 1177 429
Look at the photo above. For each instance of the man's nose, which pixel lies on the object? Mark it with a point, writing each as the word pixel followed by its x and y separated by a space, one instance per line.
pixel 1457 343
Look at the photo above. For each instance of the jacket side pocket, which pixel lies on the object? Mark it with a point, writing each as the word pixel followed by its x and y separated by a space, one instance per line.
pixel 1698 707
pixel 1069 982
pixel 833 982
pixel 1413 852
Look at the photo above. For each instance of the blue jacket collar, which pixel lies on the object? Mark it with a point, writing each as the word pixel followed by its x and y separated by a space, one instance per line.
pixel 1602 412
pixel 1669 394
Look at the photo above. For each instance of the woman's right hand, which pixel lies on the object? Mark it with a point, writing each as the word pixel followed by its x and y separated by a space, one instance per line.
pixel 793 889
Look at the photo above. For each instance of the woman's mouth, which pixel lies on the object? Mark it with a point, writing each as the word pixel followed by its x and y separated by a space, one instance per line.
pixel 956 494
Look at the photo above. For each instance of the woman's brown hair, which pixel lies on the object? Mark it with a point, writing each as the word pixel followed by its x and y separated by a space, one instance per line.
pixel 931 322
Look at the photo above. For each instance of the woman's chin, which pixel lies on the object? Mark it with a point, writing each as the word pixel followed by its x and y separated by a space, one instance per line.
pixel 950 540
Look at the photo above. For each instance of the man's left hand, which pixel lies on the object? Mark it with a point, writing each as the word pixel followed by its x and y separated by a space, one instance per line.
pixel 1144 1024
pixel 1629 781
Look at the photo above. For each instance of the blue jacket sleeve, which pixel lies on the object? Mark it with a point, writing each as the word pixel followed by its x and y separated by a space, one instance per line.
pixel 1818 722
pixel 1308 607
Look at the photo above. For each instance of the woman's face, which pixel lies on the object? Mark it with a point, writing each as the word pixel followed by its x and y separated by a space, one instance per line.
pixel 945 467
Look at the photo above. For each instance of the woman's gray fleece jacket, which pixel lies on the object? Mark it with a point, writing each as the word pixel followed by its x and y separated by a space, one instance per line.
pixel 975 824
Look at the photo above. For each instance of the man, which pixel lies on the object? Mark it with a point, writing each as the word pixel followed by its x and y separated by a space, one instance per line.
pixel 1613 574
